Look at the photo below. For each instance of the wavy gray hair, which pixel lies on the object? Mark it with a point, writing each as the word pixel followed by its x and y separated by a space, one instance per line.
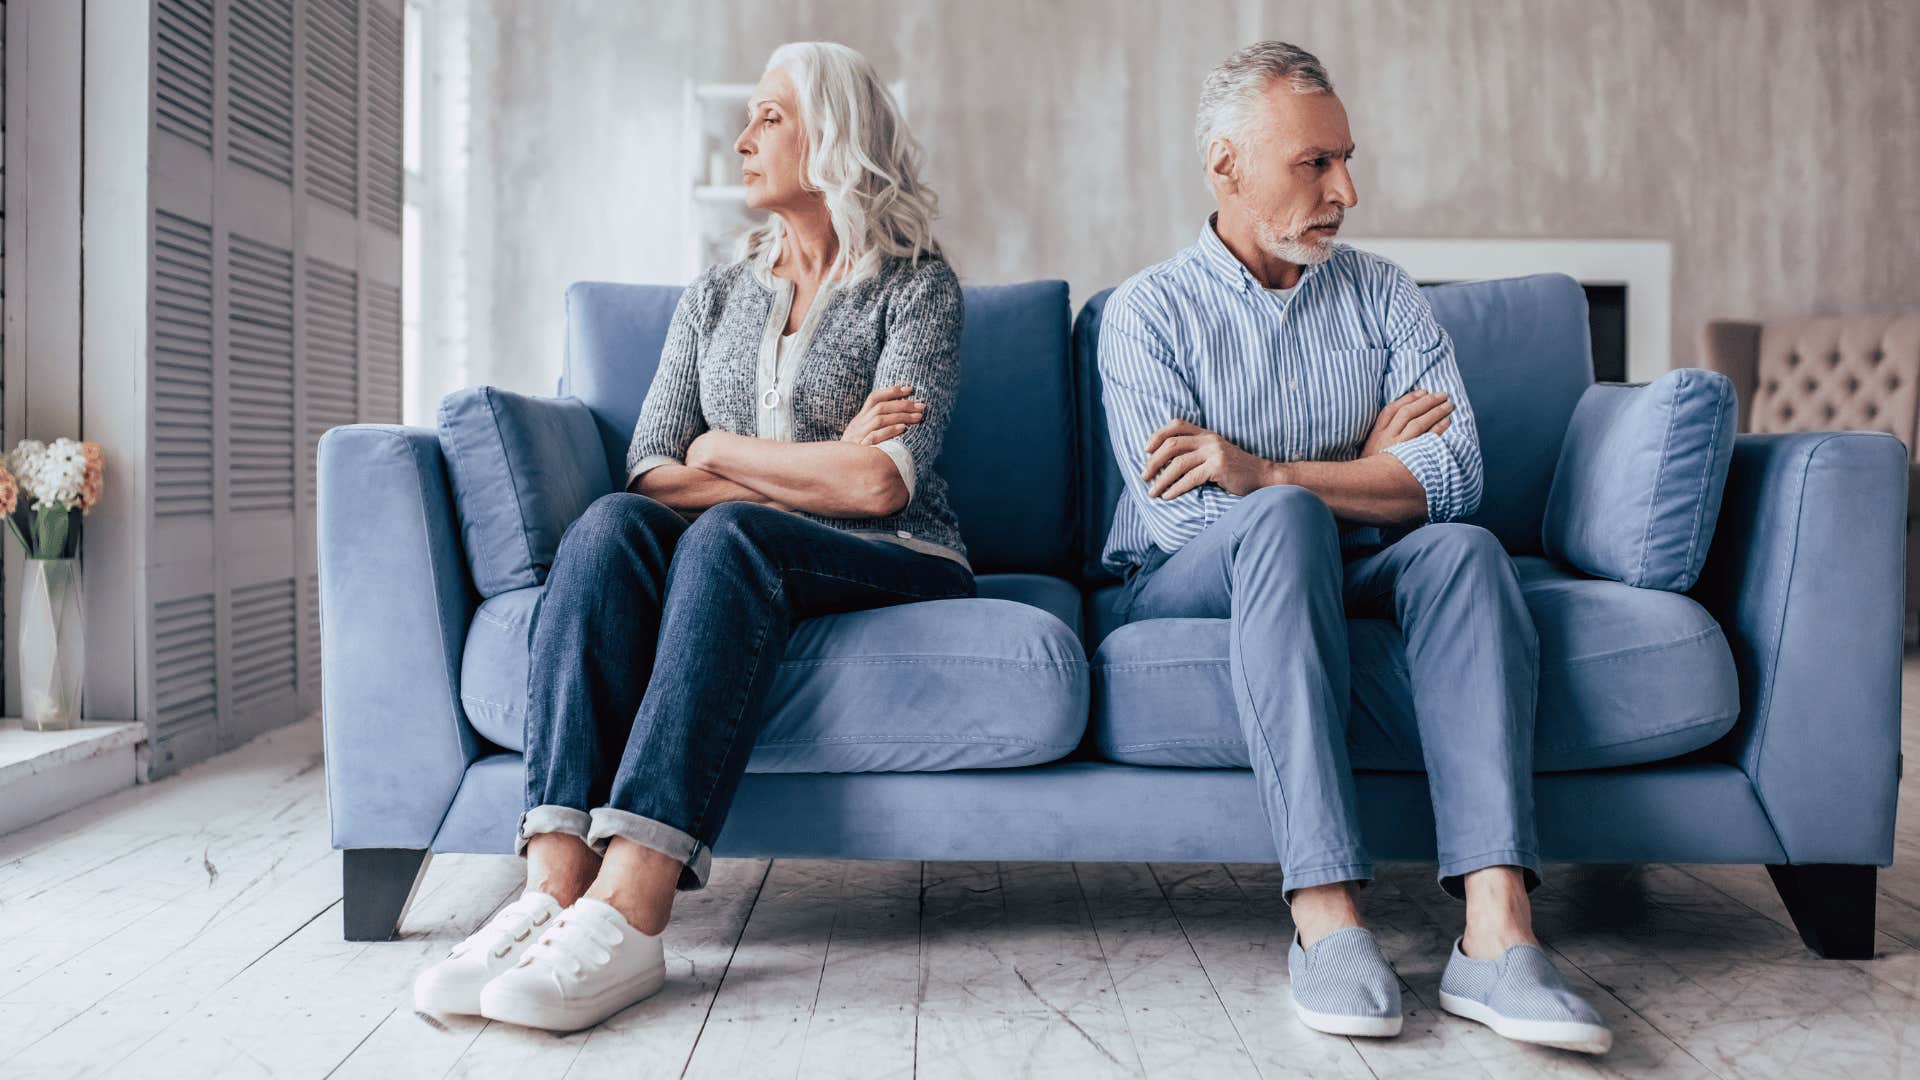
pixel 1241 81
pixel 860 155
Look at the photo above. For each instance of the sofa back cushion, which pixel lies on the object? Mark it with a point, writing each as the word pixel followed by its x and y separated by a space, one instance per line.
pixel 1857 372
pixel 1009 457
pixel 521 469
pixel 1524 352
pixel 1637 490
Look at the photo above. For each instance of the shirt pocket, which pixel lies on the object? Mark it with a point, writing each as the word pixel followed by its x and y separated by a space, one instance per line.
pixel 1350 387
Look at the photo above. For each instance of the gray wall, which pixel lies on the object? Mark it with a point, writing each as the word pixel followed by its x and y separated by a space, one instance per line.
pixel 1774 143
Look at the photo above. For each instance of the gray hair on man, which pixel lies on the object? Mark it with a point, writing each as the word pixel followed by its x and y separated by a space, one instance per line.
pixel 1241 81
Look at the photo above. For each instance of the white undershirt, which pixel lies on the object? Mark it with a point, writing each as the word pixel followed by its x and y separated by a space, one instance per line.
pixel 783 358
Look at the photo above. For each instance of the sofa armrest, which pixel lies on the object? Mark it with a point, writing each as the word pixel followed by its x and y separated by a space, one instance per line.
pixel 1806 576
pixel 1732 348
pixel 395 603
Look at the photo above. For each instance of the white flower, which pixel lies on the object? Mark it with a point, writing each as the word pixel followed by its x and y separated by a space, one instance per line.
pixel 21 459
pixel 51 474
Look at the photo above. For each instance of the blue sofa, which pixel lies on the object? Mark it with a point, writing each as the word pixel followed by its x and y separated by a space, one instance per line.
pixel 1754 719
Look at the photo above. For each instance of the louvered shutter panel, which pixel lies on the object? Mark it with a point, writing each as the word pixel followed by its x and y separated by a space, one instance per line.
pixel 332 357
pixel 332 73
pixel 182 366
pixel 383 354
pixel 260 78
pixel 275 316
pixel 183 61
pixel 385 78
pixel 259 424
pixel 185 697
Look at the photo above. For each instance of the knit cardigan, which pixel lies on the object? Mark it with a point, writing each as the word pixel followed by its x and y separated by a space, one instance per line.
pixel 898 327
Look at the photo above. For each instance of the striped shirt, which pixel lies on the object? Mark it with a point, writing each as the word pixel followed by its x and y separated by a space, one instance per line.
pixel 1293 378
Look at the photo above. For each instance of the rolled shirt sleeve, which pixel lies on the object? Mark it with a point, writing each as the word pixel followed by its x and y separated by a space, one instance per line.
pixel 1144 388
pixel 670 417
pixel 1447 464
pixel 902 457
pixel 922 351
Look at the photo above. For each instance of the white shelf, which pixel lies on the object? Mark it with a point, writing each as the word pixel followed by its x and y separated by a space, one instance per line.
pixel 24 753
pixel 43 773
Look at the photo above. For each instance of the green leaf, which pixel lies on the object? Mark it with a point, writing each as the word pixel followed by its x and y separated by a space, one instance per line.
pixel 50 532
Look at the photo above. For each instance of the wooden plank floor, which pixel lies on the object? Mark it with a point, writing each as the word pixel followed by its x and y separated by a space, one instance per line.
pixel 192 928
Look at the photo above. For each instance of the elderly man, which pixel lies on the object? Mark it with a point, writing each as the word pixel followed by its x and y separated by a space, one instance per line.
pixel 1299 448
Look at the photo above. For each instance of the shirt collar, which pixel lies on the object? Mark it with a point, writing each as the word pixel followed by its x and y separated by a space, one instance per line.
pixel 1230 270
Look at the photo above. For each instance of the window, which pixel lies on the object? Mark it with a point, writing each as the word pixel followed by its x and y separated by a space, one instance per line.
pixel 413 157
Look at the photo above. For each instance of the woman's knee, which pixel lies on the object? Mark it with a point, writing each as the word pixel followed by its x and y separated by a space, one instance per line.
pixel 723 529
pixel 625 517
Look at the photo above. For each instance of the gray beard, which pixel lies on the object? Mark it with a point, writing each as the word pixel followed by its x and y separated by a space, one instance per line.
pixel 1292 250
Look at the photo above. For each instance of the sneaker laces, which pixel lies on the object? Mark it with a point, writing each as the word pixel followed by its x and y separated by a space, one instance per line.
pixel 509 926
pixel 572 945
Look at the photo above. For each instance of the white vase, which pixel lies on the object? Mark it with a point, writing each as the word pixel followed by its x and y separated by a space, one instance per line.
pixel 53 645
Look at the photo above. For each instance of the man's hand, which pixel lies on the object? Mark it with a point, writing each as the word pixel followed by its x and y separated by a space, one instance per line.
pixel 888 412
pixel 1408 417
pixel 1181 456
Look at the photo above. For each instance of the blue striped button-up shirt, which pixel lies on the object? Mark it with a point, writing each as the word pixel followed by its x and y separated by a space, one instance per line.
pixel 1300 378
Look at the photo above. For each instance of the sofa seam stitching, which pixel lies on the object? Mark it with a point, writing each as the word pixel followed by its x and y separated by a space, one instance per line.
pixel 1659 477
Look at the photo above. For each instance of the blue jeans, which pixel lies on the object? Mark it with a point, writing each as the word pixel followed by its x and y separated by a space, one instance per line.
pixel 1274 566
pixel 636 592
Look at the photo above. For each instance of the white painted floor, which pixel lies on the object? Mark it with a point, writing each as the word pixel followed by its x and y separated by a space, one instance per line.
pixel 192 928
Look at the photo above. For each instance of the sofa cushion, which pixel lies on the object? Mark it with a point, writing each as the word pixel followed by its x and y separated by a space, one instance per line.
pixel 1627 676
pixel 522 469
pixel 1637 489
pixel 943 684
pixel 1049 594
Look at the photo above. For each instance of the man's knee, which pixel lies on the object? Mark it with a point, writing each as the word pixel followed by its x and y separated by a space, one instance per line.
pixel 1284 507
pixel 1457 543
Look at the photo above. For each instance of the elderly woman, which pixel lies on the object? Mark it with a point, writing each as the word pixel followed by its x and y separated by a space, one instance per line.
pixel 795 417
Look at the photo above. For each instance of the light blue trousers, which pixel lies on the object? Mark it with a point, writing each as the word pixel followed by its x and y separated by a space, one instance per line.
pixel 1274 566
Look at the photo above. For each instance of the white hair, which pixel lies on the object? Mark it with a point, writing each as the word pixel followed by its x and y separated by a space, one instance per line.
pixel 1241 81
pixel 860 155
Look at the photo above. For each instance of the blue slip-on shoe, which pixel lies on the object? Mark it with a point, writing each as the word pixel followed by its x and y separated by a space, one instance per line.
pixel 1344 985
pixel 1522 996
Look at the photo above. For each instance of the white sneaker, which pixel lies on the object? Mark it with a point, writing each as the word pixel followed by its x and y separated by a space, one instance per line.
pixel 453 985
pixel 589 965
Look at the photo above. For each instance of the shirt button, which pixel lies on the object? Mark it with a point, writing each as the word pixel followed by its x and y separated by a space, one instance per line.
pixel 1293 384
pixel 903 534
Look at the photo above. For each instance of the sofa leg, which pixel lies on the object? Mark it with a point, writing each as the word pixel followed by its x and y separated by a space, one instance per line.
pixel 1831 905
pixel 377 885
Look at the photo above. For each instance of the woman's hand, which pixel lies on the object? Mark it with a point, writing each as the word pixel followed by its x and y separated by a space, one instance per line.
pixel 1406 417
pixel 887 412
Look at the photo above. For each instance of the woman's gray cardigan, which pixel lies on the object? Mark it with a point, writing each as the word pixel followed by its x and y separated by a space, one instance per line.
pixel 899 327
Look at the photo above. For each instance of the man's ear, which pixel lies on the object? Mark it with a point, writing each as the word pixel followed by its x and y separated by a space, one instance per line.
pixel 1223 167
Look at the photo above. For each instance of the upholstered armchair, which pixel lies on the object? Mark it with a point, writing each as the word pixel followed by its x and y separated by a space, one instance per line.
pixel 1857 372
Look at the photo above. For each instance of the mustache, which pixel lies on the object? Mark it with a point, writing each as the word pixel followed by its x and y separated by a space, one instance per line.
pixel 1336 219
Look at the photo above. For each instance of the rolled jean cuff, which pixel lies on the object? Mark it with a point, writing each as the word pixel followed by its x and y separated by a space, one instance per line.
pixel 1294 880
pixel 1453 870
pixel 549 819
pixel 661 837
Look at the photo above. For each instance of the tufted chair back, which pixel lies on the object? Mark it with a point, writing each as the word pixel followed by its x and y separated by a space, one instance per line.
pixel 1854 372
pixel 1849 372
